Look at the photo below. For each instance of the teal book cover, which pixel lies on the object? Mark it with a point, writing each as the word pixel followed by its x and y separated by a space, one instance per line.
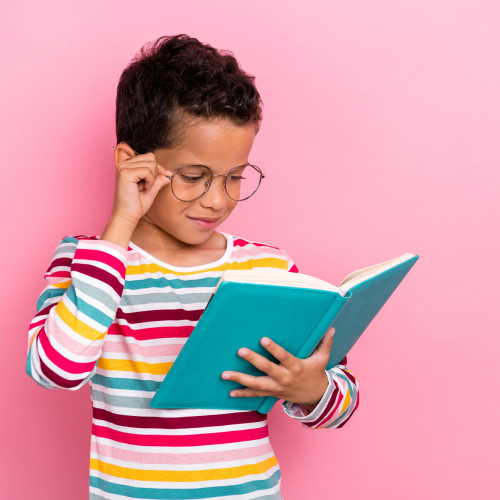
pixel 240 314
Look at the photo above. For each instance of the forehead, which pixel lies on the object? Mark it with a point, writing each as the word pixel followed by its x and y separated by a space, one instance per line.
pixel 217 143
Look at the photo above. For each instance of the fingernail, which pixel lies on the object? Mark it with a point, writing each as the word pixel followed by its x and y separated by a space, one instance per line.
pixel 243 352
pixel 225 375
pixel 232 394
pixel 264 341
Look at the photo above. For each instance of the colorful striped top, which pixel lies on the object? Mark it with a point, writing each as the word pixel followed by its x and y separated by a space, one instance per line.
pixel 118 319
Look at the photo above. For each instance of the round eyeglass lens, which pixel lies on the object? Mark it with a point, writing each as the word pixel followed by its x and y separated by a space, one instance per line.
pixel 191 182
pixel 242 182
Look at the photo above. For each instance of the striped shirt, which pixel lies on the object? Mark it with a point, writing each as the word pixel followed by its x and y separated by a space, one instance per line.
pixel 118 318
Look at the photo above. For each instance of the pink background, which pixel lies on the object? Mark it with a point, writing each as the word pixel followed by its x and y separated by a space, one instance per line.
pixel 380 136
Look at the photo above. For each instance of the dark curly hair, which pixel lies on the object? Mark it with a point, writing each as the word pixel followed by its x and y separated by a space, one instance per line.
pixel 175 79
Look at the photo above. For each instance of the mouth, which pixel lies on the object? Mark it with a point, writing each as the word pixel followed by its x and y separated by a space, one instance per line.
pixel 205 222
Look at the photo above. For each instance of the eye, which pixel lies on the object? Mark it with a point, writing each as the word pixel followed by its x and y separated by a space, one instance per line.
pixel 190 178
pixel 235 178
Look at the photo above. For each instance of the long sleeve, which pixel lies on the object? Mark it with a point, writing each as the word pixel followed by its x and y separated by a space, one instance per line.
pixel 338 404
pixel 84 284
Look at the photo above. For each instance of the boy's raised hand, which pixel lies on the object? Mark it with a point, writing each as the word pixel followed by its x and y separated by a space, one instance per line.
pixel 302 381
pixel 138 180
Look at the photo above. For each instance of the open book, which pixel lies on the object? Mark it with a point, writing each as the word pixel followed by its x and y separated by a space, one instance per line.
pixel 294 310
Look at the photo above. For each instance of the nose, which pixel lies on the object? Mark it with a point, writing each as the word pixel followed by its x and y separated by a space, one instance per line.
pixel 216 197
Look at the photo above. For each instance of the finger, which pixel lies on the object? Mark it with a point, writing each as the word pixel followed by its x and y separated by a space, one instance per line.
pixel 263 364
pixel 261 384
pixel 137 175
pixel 251 393
pixel 281 354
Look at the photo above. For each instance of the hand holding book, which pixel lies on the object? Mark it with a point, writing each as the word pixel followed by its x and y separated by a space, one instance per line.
pixel 301 381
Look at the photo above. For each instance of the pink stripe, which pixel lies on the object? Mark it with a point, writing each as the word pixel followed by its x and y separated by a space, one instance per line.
pixel 179 440
pixel 209 457
pixel 59 360
pixel 135 349
pixel 100 256
pixel 245 253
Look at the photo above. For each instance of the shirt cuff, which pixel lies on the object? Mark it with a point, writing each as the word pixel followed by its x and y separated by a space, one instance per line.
pixel 297 412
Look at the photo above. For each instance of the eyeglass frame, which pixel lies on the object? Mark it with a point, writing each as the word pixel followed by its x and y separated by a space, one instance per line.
pixel 262 176
pixel 212 175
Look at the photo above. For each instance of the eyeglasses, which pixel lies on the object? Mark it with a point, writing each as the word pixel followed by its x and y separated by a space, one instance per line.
pixel 191 182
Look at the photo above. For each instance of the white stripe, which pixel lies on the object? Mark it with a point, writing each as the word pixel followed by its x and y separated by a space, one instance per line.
pixel 118 339
pixel 130 375
pixel 164 305
pixel 152 412
pixel 168 289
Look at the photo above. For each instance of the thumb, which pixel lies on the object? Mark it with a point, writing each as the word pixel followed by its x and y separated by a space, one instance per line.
pixel 325 346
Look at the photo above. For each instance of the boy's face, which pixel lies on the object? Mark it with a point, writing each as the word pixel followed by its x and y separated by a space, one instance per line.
pixel 218 144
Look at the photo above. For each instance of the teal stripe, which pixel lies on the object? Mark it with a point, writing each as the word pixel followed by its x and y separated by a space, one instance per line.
pixel 121 401
pixel 65 245
pixel 189 493
pixel 47 295
pixel 162 297
pixel 163 282
pixel 90 311
pixel 95 292
pixel 126 383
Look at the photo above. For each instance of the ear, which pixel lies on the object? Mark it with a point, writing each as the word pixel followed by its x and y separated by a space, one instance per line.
pixel 123 152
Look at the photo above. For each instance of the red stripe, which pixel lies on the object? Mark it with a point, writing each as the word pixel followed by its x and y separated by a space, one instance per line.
pixel 59 360
pixel 99 274
pixel 163 332
pixel 100 256
pixel 328 408
pixel 60 262
pixel 239 242
pixel 178 422
pixel 159 315
pixel 56 379
pixel 349 418
pixel 177 440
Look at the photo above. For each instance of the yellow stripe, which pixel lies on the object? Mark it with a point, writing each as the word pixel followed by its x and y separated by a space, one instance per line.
pixel 77 325
pixel 63 284
pixel 248 264
pixel 347 400
pixel 127 365
pixel 182 475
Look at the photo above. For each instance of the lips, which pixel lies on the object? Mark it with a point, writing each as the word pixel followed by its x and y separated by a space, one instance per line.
pixel 205 222
pixel 205 219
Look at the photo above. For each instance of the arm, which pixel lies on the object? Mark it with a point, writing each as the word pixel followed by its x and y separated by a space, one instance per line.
pixel 85 281
pixel 84 284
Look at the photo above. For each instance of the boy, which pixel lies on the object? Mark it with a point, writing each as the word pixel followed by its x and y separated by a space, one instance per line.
pixel 118 308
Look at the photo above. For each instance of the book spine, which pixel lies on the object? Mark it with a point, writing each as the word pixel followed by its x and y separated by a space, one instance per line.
pixel 312 341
